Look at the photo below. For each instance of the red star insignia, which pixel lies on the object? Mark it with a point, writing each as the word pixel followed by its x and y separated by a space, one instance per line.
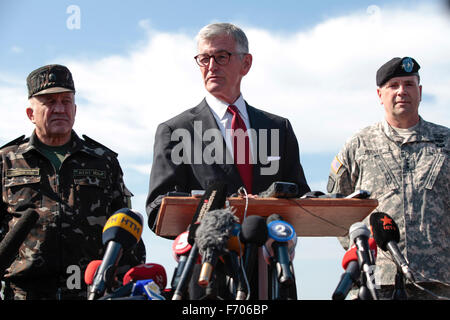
pixel 386 221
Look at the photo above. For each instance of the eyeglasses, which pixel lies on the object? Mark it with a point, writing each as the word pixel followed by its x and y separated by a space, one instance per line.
pixel 221 58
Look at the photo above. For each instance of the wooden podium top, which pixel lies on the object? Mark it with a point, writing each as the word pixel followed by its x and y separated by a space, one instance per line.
pixel 311 217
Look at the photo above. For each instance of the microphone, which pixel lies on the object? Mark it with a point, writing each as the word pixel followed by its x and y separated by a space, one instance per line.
pixel 90 271
pixel 235 250
pixel 180 250
pixel 11 243
pixel 281 245
pixel 253 234
pixel 136 282
pixel 211 237
pixel 121 232
pixel 213 198
pixel 359 235
pixel 386 234
pixel 352 272
pixel 148 289
pixel 146 271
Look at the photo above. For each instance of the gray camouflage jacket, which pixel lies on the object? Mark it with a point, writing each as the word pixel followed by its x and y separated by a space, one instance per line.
pixel 411 180
pixel 73 205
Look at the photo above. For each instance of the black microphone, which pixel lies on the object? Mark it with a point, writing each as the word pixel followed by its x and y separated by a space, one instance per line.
pixel 359 235
pixel 253 234
pixel 280 234
pixel 386 234
pixel 213 198
pixel 121 232
pixel 352 272
pixel 11 243
pixel 211 238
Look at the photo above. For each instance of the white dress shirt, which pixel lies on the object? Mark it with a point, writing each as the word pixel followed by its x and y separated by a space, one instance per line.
pixel 223 118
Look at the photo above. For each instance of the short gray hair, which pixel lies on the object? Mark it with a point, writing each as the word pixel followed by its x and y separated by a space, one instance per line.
pixel 218 29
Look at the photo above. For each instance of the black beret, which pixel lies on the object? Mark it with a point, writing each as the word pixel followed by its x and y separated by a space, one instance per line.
pixel 397 67
pixel 52 78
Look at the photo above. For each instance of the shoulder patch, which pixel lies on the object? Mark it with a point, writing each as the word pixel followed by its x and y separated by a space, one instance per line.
pixel 14 142
pixel 336 165
pixel 96 144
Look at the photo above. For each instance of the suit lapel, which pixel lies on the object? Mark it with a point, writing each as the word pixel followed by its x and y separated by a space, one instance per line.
pixel 203 115
pixel 259 121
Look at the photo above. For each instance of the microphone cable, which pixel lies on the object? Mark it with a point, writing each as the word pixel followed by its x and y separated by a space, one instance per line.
pixel 389 257
pixel 241 265
pixel 318 217
pixel 243 192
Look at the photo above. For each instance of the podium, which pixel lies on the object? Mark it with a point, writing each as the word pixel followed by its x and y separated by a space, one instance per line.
pixel 311 217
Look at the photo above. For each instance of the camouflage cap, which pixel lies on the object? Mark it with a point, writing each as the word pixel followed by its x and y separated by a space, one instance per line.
pixel 52 78
pixel 397 67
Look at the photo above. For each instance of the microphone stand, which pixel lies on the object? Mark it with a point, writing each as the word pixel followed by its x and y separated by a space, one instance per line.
pixel 186 275
pixel 365 293
pixel 275 284
pixel 399 289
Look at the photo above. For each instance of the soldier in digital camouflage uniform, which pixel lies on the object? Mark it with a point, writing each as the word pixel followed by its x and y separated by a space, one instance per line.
pixel 403 162
pixel 74 185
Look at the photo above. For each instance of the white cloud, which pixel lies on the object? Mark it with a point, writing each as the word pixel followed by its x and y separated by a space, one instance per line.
pixel 322 79
pixel 16 49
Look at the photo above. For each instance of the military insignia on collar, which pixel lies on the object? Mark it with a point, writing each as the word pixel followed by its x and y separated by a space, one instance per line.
pixel 407 64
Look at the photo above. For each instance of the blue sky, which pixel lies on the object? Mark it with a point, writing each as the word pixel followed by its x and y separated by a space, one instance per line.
pixel 314 62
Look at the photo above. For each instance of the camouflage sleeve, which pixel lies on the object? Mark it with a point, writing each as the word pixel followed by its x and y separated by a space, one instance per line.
pixel 342 177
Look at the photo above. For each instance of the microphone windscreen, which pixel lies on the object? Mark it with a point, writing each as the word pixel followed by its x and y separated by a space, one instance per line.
pixel 235 245
pixel 214 230
pixel 373 247
pixel 351 255
pixel 15 237
pixel 358 229
pixel 181 245
pixel 124 227
pixel 90 271
pixel 146 271
pixel 384 229
pixel 254 230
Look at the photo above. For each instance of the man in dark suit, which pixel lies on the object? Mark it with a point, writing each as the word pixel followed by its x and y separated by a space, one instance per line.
pixel 203 145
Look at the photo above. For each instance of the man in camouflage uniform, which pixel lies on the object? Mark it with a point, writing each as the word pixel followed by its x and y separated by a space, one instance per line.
pixel 74 185
pixel 402 161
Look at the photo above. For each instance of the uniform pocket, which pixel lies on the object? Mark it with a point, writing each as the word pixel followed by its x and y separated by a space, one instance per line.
pixel 381 161
pixel 436 166
pixel 91 196
pixel 23 189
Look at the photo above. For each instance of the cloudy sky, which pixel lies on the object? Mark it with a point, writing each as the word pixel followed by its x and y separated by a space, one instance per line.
pixel 313 63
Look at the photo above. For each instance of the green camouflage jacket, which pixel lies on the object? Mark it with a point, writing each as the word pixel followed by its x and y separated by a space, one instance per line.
pixel 411 180
pixel 73 205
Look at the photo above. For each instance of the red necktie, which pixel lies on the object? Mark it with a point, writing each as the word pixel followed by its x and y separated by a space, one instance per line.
pixel 241 144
